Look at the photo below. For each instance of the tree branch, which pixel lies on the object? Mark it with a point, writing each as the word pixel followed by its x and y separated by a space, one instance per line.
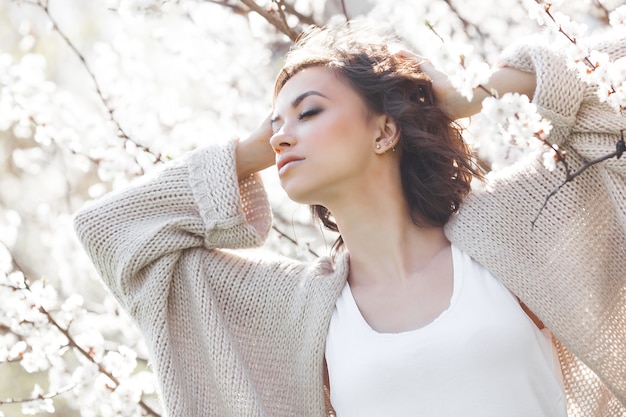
pixel 271 19
pixel 237 9
pixel 292 240
pixel 61 146
pixel 47 396
pixel 586 60
pixel 605 12
pixel 121 133
pixel 344 10
pixel 466 23
pixel 281 14
pixel 620 148
pixel 71 341
pixel 306 19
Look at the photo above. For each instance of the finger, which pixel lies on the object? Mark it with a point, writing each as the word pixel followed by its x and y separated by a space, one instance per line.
pixel 404 54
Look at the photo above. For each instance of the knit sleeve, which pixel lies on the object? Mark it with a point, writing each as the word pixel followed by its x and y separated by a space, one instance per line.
pixel 559 91
pixel 580 120
pixel 195 202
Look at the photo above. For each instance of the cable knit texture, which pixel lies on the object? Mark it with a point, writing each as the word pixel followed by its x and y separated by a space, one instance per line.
pixel 233 333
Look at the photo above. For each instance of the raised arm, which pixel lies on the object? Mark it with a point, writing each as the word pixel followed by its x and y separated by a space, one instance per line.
pixel 503 80
pixel 255 153
pixel 212 198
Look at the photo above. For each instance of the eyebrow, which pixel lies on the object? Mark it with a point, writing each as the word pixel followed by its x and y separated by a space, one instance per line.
pixel 304 95
pixel 299 99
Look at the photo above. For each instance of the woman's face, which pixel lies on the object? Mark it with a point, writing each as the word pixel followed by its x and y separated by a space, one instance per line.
pixel 324 137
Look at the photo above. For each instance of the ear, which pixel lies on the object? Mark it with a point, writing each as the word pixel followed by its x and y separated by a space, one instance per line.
pixel 388 135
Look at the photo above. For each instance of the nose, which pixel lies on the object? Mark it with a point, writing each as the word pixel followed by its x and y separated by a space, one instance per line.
pixel 281 140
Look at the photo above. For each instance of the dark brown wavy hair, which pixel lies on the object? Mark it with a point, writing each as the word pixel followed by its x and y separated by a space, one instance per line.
pixel 436 165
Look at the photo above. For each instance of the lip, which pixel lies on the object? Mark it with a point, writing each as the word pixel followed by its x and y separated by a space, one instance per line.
pixel 282 163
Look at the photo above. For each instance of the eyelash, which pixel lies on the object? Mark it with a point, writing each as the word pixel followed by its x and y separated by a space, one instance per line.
pixel 308 113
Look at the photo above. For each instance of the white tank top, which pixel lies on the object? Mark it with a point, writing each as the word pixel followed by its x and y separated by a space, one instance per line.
pixel 482 357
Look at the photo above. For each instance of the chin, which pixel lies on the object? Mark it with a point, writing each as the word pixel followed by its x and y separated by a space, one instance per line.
pixel 300 194
pixel 301 198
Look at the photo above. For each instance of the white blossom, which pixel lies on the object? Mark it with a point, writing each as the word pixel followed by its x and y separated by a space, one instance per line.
pixel 92 342
pixel 18 350
pixel 44 135
pixel 121 363
pixel 42 295
pixel 574 30
pixel 27 43
pixel 16 280
pixel 617 17
pixel 513 119
pixel 72 309
pixel 536 11
pixel 125 399
pixel 467 79
pixel 35 360
pixel 85 374
pixel 39 404
pixel 616 77
pixel 617 71
pixel 578 52
pixel 550 159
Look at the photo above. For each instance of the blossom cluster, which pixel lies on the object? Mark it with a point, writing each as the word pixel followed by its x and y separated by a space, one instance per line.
pixel 64 339
pixel 521 129
pixel 516 122
pixel 594 67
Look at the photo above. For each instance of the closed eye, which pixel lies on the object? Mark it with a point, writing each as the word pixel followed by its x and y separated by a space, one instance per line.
pixel 309 113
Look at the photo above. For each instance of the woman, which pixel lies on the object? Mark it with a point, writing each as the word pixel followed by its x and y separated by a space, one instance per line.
pixel 408 323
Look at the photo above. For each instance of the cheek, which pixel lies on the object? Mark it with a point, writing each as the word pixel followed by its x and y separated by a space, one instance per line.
pixel 349 127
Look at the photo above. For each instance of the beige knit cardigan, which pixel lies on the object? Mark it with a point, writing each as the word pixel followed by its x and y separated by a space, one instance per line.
pixel 232 333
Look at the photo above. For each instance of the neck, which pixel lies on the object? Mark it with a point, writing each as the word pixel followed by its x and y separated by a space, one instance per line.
pixel 384 243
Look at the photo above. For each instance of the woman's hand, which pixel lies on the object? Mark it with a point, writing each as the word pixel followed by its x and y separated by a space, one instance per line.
pixel 503 80
pixel 448 98
pixel 255 153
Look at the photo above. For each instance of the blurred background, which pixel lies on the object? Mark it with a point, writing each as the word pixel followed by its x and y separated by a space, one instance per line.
pixel 96 93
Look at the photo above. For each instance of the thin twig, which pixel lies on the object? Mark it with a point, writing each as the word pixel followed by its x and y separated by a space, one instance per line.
pixel 569 176
pixel 292 240
pixel 71 342
pixel 237 9
pixel 306 19
pixel 110 111
pixel 344 9
pixel 604 10
pixel 271 19
pixel 466 23
pixel 286 8
pixel 47 396
pixel 58 143
pixel 488 91
pixel 620 148
pixel 281 14
pixel 431 27
pixel 586 60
